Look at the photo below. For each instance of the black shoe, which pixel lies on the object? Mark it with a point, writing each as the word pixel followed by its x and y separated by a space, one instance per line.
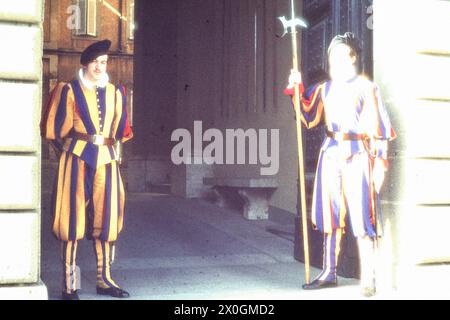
pixel 113 292
pixel 368 291
pixel 70 296
pixel 319 284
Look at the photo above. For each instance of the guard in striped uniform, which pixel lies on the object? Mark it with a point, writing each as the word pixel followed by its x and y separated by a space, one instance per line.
pixel 352 159
pixel 85 119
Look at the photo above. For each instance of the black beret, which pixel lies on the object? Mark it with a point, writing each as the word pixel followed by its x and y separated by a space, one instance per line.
pixel 95 50
pixel 348 39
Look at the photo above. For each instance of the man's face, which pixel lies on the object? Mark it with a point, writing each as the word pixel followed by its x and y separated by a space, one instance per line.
pixel 340 59
pixel 97 68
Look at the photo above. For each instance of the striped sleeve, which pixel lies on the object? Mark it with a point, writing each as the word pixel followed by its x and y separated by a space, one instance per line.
pixel 57 120
pixel 311 110
pixel 124 131
pixel 383 132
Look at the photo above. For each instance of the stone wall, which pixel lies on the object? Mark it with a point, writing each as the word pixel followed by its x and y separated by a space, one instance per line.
pixel 412 67
pixel 20 89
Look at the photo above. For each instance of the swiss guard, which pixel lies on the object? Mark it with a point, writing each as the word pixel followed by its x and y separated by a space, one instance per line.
pixel 352 160
pixel 86 119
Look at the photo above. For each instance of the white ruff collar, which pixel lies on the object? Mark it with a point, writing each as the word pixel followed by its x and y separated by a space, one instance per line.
pixel 88 84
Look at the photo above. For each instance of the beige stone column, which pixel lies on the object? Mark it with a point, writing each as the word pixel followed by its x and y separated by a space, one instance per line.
pixel 412 66
pixel 20 98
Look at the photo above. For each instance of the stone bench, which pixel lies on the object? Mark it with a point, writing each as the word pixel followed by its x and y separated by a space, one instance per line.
pixel 256 193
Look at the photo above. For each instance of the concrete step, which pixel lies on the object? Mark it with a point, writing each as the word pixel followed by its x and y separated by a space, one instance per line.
pixel 163 188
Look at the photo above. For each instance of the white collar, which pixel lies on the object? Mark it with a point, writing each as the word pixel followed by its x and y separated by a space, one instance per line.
pixel 102 82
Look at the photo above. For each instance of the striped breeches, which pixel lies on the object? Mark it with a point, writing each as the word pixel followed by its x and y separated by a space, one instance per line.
pixel 87 197
pixel 72 275
pixel 344 186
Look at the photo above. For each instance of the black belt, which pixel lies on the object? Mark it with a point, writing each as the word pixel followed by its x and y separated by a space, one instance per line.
pixel 340 136
pixel 95 139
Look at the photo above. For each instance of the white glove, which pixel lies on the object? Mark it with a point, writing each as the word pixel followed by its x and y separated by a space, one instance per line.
pixel 295 78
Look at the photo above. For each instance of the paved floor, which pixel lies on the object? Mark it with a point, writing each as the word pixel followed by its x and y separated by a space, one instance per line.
pixel 173 248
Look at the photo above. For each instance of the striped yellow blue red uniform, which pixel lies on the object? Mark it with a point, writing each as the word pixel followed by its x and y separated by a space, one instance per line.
pixel 344 180
pixel 89 196
pixel 89 185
